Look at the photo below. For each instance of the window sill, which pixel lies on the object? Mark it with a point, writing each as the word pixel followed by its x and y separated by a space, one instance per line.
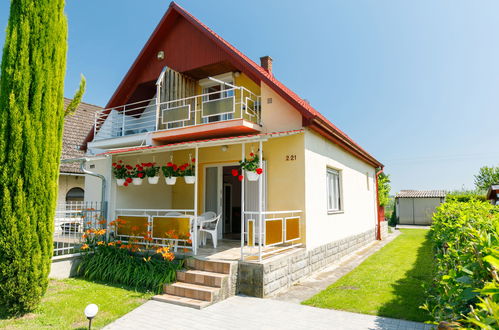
pixel 335 212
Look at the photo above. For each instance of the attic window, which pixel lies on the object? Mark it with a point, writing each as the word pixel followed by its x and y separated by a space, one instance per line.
pixel 269 100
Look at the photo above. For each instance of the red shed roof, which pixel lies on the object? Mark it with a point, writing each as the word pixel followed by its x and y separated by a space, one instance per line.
pixel 311 117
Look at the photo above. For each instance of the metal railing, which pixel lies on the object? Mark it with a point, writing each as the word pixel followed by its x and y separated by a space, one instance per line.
pixel 154 115
pixel 269 232
pixel 71 221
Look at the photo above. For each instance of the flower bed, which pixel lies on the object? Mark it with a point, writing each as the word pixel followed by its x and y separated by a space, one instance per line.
pixel 466 285
pixel 136 264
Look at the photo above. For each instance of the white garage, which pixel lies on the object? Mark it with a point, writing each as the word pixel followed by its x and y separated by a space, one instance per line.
pixel 416 207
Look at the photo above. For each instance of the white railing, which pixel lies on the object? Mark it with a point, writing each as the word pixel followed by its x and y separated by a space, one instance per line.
pixel 150 218
pixel 153 115
pixel 269 232
pixel 71 221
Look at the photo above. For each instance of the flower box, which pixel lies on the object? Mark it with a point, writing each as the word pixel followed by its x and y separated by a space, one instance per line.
pixel 252 176
pixel 120 182
pixel 190 179
pixel 137 181
pixel 153 180
pixel 171 180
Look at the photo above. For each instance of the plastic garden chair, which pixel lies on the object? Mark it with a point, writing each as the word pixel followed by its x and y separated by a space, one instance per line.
pixel 210 226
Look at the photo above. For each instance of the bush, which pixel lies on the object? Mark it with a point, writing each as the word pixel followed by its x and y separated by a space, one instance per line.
pixel 465 286
pixel 122 266
pixel 393 221
pixel 465 197
pixel 138 264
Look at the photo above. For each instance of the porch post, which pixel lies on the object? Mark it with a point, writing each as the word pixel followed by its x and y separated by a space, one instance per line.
pixel 195 233
pixel 260 201
pixel 242 205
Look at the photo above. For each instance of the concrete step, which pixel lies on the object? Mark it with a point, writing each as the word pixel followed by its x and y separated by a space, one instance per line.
pixel 208 266
pixel 193 291
pixel 181 301
pixel 202 277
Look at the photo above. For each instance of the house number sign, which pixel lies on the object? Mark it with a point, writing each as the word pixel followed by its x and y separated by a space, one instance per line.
pixel 290 157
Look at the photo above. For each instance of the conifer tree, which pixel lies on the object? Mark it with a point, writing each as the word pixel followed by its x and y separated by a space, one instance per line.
pixel 31 123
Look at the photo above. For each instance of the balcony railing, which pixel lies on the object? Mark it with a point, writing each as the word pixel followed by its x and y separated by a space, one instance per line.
pixel 153 115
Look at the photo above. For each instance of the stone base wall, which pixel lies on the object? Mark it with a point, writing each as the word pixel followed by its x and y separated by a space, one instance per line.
pixel 64 266
pixel 384 229
pixel 267 278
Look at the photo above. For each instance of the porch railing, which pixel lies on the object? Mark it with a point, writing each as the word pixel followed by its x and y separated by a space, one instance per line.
pixel 156 115
pixel 157 227
pixel 71 221
pixel 269 232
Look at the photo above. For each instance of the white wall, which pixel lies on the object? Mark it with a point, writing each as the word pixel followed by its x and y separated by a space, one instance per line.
pixel 66 183
pixel 358 197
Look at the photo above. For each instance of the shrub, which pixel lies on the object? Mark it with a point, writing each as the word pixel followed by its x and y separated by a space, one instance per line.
pixel 138 264
pixel 393 221
pixel 465 286
pixel 31 123
pixel 465 197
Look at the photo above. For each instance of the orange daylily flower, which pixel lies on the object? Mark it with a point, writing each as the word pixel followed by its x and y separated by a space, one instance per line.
pixel 84 246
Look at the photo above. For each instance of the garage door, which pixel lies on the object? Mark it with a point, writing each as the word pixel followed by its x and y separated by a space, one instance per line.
pixel 417 211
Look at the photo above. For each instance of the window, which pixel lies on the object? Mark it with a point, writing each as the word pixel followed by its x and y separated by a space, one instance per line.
pixel 333 191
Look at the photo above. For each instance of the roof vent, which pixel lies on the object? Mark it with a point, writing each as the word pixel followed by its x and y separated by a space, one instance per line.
pixel 266 63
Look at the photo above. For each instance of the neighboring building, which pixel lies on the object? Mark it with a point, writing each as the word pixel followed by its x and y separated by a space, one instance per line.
pixel 76 127
pixel 493 194
pixel 416 207
pixel 190 94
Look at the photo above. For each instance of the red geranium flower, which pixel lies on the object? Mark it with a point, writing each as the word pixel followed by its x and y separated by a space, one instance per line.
pixel 114 164
pixel 252 154
pixel 129 167
pixel 240 177
pixel 194 160
pixel 235 172
pixel 141 175
pixel 140 168
pixel 120 161
pixel 125 184
pixel 128 180
pixel 119 167
pixel 169 164
pixel 259 171
pixel 175 167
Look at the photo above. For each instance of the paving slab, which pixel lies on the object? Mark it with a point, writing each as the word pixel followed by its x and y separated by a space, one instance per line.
pixel 241 312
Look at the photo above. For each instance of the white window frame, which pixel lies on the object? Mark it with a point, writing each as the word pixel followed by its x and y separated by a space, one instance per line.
pixel 329 190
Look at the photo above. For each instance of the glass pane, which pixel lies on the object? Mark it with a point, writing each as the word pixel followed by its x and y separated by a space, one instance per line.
pixel 217 107
pixel 211 198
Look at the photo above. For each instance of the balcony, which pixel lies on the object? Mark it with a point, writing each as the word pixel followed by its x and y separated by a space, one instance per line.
pixel 231 111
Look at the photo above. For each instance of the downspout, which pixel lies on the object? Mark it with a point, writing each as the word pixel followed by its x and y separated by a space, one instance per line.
pixel 82 162
pixel 378 227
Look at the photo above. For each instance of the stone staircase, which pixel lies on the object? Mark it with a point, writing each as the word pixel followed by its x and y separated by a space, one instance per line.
pixel 201 284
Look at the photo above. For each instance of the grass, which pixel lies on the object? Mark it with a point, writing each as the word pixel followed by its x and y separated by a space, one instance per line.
pixel 388 283
pixel 64 303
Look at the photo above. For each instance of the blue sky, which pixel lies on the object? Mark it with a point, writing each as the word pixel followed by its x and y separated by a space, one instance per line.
pixel 415 83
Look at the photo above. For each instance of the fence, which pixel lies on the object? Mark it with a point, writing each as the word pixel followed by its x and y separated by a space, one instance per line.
pixel 71 221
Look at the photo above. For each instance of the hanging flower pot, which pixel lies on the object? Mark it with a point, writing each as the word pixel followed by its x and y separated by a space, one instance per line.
pixel 252 176
pixel 137 181
pixel 120 182
pixel 171 180
pixel 153 180
pixel 190 179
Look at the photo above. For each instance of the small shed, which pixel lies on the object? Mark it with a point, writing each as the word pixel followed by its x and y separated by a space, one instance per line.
pixel 493 194
pixel 416 207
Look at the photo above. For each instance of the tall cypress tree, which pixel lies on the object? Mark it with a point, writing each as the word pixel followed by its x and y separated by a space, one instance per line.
pixel 31 124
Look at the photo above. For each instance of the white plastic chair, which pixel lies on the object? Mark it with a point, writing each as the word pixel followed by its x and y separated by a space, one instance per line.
pixel 209 215
pixel 210 226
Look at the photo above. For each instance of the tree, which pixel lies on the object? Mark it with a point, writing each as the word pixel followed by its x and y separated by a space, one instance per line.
pixel 31 123
pixel 486 177
pixel 383 189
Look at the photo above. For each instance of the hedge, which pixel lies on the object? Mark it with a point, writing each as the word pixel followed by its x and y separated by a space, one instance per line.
pixel 465 287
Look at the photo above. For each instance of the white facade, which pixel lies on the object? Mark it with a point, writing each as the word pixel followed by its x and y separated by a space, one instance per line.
pixel 358 193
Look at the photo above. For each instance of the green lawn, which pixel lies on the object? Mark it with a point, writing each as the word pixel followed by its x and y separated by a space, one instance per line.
pixel 388 283
pixel 64 303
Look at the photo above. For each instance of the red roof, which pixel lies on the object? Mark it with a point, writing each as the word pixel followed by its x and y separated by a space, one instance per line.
pixel 312 118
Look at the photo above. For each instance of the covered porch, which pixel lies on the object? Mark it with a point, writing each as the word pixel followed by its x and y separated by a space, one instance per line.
pixel 256 221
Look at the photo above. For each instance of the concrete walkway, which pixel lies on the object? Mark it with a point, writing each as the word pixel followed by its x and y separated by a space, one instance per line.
pixel 252 313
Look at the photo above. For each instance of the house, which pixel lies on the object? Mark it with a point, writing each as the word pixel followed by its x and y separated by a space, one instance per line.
pixel 191 97
pixel 493 194
pixel 71 177
pixel 416 207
